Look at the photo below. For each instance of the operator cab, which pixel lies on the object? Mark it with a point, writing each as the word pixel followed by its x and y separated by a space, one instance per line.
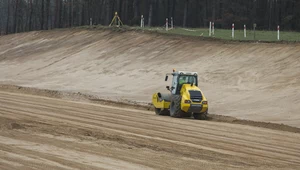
pixel 180 78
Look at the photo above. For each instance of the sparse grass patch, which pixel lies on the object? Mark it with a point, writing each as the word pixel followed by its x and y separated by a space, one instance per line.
pixel 226 34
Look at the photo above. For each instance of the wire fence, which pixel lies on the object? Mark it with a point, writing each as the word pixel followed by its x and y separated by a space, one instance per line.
pixel 249 33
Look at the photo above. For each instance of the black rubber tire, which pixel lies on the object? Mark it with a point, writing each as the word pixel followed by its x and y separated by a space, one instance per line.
pixel 175 107
pixel 200 116
pixel 160 112
pixel 187 114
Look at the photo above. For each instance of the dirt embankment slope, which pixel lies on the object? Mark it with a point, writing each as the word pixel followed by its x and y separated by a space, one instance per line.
pixel 246 80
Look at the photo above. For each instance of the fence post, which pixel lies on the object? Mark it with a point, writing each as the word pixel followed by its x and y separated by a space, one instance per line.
pixel 213 28
pixel 254 33
pixel 91 21
pixel 278 32
pixel 233 31
pixel 209 29
pixel 245 31
pixel 142 20
pixel 167 24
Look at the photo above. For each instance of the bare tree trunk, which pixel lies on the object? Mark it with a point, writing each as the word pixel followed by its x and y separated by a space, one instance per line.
pixel 69 13
pixel 43 15
pixel 136 8
pixel 150 14
pixel 167 8
pixel 7 20
pixel 277 11
pixel 82 14
pixel 47 14
pixel 61 13
pixel 173 9
pixel 79 12
pixel 16 17
pixel 57 9
pixel 35 17
pixel 222 9
pixel 2 16
pixel 270 13
pixel 213 10
pixel 185 12
pixel 72 13
pixel 108 12
pixel 21 21
pixel 283 11
pixel 30 16
pixel 89 11
pixel 254 12
pixel 125 10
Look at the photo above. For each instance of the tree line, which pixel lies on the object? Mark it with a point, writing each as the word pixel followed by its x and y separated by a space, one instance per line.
pixel 27 15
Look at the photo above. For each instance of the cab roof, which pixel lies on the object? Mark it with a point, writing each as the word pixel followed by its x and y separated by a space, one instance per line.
pixel 185 73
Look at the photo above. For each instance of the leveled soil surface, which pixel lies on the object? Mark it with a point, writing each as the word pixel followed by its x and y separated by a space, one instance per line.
pixel 79 99
pixel 47 133
pixel 252 81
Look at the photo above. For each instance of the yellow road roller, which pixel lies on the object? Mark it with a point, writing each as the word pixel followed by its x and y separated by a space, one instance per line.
pixel 184 98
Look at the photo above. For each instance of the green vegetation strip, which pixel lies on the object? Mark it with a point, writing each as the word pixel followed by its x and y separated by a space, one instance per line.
pixel 239 34
pixel 222 34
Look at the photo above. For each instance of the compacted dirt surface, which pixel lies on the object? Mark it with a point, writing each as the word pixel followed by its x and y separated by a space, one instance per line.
pixel 253 81
pixel 47 133
pixel 252 89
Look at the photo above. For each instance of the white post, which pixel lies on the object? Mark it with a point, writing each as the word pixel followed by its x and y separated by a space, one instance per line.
pixel 167 24
pixel 91 21
pixel 172 24
pixel 210 29
pixel 245 31
pixel 233 31
pixel 278 32
pixel 213 28
pixel 143 22
pixel 142 18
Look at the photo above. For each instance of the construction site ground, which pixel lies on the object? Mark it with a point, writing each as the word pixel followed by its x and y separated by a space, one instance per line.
pixel 47 133
pixel 94 114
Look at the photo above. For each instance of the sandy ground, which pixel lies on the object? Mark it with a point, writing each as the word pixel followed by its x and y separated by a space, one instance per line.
pixel 45 133
pixel 253 81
